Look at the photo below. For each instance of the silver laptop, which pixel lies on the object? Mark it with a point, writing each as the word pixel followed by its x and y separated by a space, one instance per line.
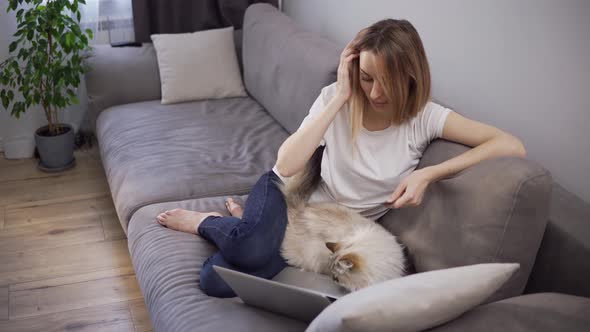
pixel 293 292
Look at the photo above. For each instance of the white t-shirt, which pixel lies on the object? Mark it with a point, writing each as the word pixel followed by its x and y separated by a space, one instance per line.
pixel 383 158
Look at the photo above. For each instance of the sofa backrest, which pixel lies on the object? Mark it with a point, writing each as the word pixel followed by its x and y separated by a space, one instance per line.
pixel 493 212
pixel 285 67
pixel 123 75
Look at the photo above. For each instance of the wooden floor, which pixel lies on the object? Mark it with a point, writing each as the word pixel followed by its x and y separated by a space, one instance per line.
pixel 64 262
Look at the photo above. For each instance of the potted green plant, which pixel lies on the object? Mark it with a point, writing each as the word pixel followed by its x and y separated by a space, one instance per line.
pixel 47 59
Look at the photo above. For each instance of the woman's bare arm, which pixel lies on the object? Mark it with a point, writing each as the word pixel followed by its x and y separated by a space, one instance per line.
pixel 295 152
pixel 487 142
pixel 299 147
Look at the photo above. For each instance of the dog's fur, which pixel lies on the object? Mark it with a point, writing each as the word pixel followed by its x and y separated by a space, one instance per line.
pixel 332 239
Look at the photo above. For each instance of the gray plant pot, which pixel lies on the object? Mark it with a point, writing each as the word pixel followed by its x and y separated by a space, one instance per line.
pixel 56 152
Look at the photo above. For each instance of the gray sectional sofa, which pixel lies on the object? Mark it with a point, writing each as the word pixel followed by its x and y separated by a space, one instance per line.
pixel 193 155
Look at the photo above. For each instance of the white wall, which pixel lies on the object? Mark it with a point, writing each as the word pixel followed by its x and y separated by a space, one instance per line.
pixel 522 66
pixel 11 128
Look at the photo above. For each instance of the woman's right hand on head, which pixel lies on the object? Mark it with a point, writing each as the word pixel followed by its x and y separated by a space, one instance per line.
pixel 343 85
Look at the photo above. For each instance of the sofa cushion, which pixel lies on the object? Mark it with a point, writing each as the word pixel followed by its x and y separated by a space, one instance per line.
pixel 168 263
pixel 154 153
pixel 285 67
pixel 494 211
pixel 542 312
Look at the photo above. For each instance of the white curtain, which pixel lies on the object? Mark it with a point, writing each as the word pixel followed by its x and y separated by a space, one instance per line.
pixel 111 21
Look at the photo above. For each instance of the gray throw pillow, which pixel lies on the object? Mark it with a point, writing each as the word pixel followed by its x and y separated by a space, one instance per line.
pixel 198 65
pixel 415 302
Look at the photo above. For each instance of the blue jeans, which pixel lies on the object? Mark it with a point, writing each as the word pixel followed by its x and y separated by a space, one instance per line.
pixel 251 244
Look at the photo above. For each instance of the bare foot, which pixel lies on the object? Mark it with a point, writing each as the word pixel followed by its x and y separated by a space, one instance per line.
pixel 234 208
pixel 184 220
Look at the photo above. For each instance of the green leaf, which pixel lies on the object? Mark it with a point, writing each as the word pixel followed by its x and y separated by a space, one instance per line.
pixel 5 101
pixel 17 109
pixel 12 47
pixel 23 53
pixel 69 39
pixel 89 33
pixel 20 26
pixel 12 5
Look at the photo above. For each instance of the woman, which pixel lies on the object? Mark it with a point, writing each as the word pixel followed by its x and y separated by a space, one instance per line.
pixel 375 122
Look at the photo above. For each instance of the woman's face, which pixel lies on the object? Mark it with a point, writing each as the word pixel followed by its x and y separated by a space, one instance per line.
pixel 370 85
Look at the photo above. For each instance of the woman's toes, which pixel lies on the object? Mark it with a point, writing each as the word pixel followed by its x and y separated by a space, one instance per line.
pixel 233 205
pixel 234 208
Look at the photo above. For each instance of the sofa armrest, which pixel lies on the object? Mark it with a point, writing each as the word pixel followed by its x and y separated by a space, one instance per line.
pixel 120 75
pixel 494 211
pixel 563 261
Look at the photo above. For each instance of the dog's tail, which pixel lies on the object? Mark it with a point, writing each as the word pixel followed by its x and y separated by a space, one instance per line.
pixel 298 188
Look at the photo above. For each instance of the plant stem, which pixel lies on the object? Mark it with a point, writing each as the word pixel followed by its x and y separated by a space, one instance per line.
pixel 56 123
pixel 47 116
pixel 52 125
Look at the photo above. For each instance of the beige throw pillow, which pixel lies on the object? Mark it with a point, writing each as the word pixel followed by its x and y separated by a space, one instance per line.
pixel 416 302
pixel 198 65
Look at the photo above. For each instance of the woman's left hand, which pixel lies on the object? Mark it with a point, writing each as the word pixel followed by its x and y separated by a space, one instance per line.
pixel 411 190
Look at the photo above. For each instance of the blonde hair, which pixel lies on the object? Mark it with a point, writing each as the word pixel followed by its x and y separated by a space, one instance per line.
pixel 403 71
